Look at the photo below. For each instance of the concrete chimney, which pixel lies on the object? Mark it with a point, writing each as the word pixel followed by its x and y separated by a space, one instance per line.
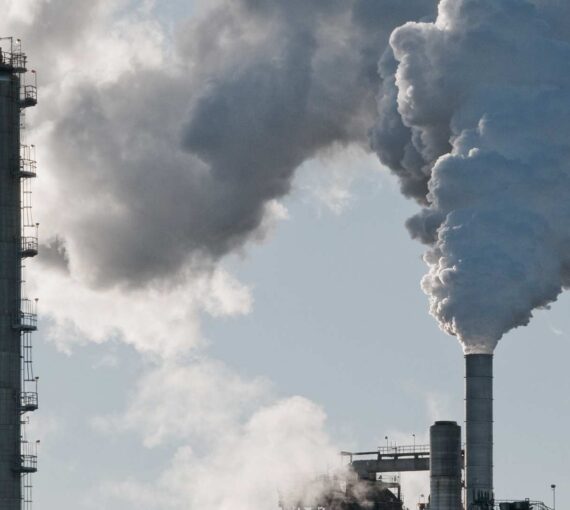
pixel 479 431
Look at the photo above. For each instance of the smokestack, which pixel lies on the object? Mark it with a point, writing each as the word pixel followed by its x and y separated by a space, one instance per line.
pixel 445 466
pixel 479 430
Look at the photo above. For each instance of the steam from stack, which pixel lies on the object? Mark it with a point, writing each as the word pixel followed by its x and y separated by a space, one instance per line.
pixel 482 104
pixel 473 110
pixel 474 115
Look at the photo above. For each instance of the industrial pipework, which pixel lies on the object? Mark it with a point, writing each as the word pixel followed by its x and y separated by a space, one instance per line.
pixel 479 431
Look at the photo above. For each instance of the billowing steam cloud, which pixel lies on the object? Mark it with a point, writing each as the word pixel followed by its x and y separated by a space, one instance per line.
pixel 474 119
pixel 180 159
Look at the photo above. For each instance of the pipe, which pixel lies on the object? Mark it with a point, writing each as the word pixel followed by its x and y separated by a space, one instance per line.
pixel 479 431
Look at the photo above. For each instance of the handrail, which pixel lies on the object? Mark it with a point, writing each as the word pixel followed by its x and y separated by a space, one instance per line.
pixel 30 244
pixel 29 400
pixel 533 505
pixel 15 60
pixel 391 451
pixel 27 317
pixel 14 57
pixel 28 458
pixel 29 94
pixel 28 462
pixel 28 163
pixel 404 449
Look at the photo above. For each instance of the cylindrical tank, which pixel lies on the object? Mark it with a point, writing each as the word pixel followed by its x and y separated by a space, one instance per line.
pixel 478 430
pixel 445 466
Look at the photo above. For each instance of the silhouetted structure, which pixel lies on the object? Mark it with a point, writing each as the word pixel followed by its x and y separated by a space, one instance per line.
pixel 18 241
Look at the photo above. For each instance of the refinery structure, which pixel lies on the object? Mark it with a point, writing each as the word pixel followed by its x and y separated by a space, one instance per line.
pixel 460 465
pixel 18 242
pixel 459 457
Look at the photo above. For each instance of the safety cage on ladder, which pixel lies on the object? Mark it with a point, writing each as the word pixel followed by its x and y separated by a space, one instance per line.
pixel 26 319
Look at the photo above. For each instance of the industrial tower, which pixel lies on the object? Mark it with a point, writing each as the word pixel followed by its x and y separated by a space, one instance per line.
pixel 18 318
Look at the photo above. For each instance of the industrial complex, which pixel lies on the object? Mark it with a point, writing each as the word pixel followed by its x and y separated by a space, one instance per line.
pixel 459 457
pixel 461 471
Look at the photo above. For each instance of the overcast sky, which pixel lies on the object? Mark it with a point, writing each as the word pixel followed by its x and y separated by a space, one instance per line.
pixel 228 292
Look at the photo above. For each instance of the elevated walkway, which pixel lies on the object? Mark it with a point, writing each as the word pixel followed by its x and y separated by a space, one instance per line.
pixel 390 459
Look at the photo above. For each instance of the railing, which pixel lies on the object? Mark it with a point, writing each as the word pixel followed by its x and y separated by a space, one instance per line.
pixel 28 464
pixel 417 451
pixel 388 479
pixel 28 167
pixel 421 449
pixel 28 460
pixel 30 246
pixel 28 164
pixel 29 95
pixel 15 60
pixel 27 318
pixel 526 504
pixel 28 401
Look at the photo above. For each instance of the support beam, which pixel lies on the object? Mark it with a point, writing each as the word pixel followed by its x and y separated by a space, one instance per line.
pixel 365 467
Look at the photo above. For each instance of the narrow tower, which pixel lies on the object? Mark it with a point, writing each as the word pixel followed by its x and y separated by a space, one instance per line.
pixel 18 240
pixel 479 431
pixel 445 466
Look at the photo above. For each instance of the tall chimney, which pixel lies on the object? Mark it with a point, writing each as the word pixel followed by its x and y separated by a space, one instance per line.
pixel 479 430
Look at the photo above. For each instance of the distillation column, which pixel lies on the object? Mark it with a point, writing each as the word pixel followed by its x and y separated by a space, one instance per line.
pixel 14 322
pixel 479 430
pixel 10 264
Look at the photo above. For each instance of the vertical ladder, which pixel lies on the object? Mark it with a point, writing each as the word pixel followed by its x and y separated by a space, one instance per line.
pixel 27 320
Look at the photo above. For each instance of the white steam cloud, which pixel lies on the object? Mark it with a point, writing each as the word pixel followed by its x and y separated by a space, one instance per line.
pixel 479 101
pixel 169 152
pixel 238 446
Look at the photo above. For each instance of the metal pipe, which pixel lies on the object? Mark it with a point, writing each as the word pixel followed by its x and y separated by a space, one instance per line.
pixel 445 466
pixel 479 430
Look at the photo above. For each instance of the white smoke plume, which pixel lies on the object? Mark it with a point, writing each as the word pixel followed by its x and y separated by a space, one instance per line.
pixel 169 151
pixel 473 118
pixel 239 447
